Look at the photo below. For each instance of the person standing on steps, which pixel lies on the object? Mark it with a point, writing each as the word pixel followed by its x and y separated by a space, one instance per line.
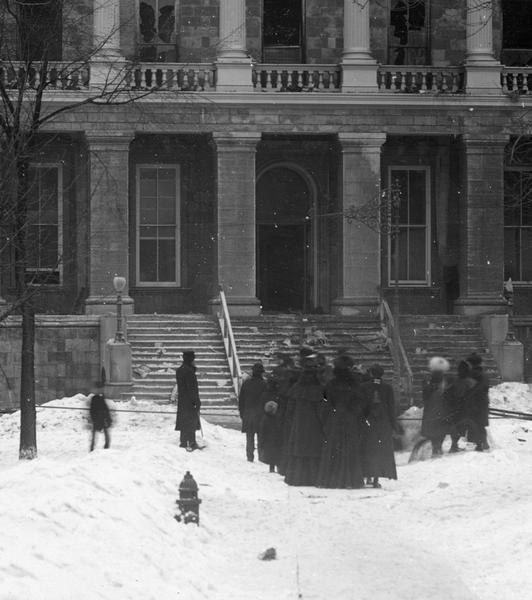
pixel 251 407
pixel 188 402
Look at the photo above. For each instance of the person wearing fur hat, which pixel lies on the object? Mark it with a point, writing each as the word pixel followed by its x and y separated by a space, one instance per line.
pixel 477 404
pixel 378 459
pixel 303 447
pixel 188 402
pixel 435 424
pixel 340 461
pixel 270 430
pixel 251 405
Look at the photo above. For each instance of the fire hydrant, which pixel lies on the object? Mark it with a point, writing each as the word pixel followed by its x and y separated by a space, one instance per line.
pixel 188 502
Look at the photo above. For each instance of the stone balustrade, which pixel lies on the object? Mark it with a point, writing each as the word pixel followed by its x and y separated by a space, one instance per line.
pixel 171 77
pixel 296 78
pixel 420 79
pixel 516 80
pixel 59 76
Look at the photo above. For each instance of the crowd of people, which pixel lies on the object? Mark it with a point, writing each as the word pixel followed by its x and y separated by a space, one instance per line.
pixel 318 424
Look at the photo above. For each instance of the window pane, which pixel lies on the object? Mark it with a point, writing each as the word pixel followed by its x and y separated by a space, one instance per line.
pixel 148 182
pixel 511 253
pixel 148 232
pixel 166 21
pixel 512 198
pixel 147 12
pixel 167 270
pixel 148 211
pixel 32 245
pixel 399 193
pixel 48 247
pixel 148 260
pixel 526 254
pixel 416 258
pixel 282 22
pixel 166 210
pixel 418 201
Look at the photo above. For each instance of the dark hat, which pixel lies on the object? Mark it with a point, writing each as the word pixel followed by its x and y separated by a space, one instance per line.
pixel 257 368
pixel 376 371
pixel 343 363
pixel 474 359
pixel 189 356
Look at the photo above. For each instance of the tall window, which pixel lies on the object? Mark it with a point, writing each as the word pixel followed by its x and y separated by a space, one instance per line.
pixel 518 223
pixel 408 32
pixel 40 29
pixel 516 32
pixel 157 31
pixel 282 31
pixel 44 218
pixel 410 228
pixel 158 225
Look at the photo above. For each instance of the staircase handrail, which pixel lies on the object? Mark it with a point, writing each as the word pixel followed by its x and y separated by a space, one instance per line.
pixel 224 321
pixel 402 366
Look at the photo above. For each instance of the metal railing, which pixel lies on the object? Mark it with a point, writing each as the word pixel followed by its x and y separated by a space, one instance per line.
pixel 403 79
pixel 404 377
pixel 224 321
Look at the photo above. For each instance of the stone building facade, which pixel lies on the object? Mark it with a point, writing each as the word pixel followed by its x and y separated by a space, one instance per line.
pixel 258 126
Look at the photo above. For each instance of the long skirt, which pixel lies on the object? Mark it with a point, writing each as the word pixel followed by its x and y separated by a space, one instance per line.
pixel 301 470
pixel 340 463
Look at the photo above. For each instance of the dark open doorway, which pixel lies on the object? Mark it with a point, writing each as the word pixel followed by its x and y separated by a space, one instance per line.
pixel 284 233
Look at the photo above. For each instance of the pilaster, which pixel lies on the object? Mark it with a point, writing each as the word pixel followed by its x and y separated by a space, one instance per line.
pixel 360 260
pixel 359 68
pixel 482 226
pixel 233 65
pixel 236 249
pixel 108 220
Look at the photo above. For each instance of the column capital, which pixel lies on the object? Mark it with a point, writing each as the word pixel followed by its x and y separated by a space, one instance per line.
pixel 361 142
pixel 103 140
pixel 243 141
pixel 473 141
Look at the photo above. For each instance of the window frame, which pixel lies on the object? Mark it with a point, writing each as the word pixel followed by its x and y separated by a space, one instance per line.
pixel 520 227
pixel 427 226
pixel 265 48
pixel 30 270
pixel 389 46
pixel 157 41
pixel 178 250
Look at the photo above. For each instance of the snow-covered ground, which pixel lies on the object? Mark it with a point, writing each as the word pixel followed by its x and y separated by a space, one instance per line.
pixel 88 526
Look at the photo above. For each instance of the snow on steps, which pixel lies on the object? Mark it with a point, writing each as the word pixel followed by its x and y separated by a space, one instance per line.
pixel 157 343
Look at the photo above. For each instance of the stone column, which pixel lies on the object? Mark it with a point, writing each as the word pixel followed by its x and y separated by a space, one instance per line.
pixel 360 260
pixel 236 260
pixel 482 226
pixel 483 71
pixel 359 68
pixel 233 63
pixel 107 62
pixel 108 220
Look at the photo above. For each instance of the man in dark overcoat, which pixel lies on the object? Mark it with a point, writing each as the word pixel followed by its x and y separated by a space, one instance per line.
pixel 477 404
pixel 188 402
pixel 251 407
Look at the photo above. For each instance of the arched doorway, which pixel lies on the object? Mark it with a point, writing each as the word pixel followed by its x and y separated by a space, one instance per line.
pixel 284 239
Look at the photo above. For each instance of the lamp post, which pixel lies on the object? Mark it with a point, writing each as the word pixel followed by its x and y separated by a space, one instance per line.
pixel 119 283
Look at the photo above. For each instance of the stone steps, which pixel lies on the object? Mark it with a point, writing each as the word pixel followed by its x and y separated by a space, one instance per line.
pixel 157 343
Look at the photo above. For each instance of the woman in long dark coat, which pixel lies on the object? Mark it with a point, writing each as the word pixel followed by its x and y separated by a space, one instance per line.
pixel 378 459
pixel 435 424
pixel 340 464
pixel 305 439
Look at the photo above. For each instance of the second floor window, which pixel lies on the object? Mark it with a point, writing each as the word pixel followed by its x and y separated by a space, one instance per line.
pixel 44 220
pixel 40 30
pixel 408 32
pixel 157 31
pixel 282 31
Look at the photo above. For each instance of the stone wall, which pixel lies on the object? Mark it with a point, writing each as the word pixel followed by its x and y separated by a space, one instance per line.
pixel 67 358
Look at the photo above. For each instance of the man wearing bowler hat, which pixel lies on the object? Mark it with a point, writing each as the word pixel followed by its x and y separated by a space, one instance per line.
pixel 188 402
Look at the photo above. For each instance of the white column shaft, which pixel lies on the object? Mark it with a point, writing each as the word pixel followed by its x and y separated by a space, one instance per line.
pixel 356 31
pixel 479 32
pixel 233 29
pixel 106 27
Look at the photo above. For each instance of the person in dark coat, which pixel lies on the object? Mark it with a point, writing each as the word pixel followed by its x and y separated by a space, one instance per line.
pixel 100 418
pixel 456 395
pixel 378 459
pixel 251 407
pixel 435 424
pixel 477 404
pixel 270 430
pixel 340 462
pixel 303 449
pixel 188 402
pixel 285 375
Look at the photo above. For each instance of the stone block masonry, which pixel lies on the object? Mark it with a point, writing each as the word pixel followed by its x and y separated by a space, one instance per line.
pixel 67 357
